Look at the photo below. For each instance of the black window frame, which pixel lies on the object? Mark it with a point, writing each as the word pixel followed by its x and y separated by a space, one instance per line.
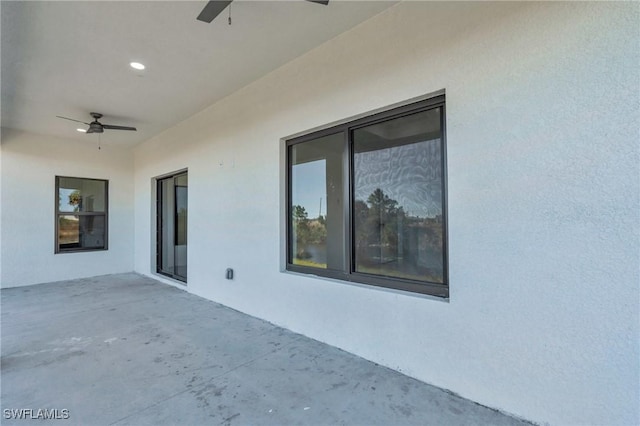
pixel 58 213
pixel 349 274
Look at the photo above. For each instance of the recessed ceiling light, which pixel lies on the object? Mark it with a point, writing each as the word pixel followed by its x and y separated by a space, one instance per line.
pixel 137 66
pixel 82 130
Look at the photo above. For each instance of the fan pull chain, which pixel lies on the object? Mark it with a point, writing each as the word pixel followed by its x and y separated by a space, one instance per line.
pixel 229 14
pixel 99 141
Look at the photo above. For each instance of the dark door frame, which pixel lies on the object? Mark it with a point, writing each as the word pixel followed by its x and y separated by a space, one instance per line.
pixel 160 224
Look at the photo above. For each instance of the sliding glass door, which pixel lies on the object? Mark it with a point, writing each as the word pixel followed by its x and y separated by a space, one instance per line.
pixel 172 199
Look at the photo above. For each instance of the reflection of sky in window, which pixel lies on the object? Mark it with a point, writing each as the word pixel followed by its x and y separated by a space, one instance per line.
pixel 64 200
pixel 308 186
pixel 410 174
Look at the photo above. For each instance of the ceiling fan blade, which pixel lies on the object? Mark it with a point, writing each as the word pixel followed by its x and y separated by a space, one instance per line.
pixel 112 127
pixel 212 9
pixel 325 2
pixel 71 119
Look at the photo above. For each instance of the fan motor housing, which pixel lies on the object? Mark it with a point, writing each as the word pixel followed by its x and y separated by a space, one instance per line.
pixel 95 127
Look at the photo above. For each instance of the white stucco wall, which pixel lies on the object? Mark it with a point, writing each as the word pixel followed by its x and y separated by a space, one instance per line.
pixel 543 190
pixel 29 164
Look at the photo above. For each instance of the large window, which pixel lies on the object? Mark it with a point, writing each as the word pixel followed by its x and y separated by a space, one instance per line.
pixel 81 214
pixel 366 200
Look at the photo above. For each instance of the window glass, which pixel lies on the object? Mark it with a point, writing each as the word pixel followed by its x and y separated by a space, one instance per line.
pixel 398 228
pixel 316 203
pixel 367 203
pixel 172 223
pixel 81 195
pixel 80 232
pixel 182 196
pixel 81 214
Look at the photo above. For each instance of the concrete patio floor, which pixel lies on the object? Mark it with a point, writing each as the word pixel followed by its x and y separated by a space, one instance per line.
pixel 127 350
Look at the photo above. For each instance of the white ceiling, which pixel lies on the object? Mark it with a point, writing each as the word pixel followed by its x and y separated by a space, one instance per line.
pixel 69 58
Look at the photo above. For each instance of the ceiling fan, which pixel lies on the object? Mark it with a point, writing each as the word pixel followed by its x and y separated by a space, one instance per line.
pixel 214 7
pixel 96 127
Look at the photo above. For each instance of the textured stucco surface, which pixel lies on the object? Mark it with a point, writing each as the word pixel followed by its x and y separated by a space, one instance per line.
pixel 29 165
pixel 542 134
pixel 543 164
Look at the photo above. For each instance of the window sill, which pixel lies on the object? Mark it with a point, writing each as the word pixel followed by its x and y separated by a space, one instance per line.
pixel 357 281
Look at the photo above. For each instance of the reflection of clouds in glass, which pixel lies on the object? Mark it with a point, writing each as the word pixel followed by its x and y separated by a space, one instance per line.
pixel 410 174
pixel 308 186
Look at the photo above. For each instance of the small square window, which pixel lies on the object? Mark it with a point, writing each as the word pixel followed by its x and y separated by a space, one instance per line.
pixel 81 214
